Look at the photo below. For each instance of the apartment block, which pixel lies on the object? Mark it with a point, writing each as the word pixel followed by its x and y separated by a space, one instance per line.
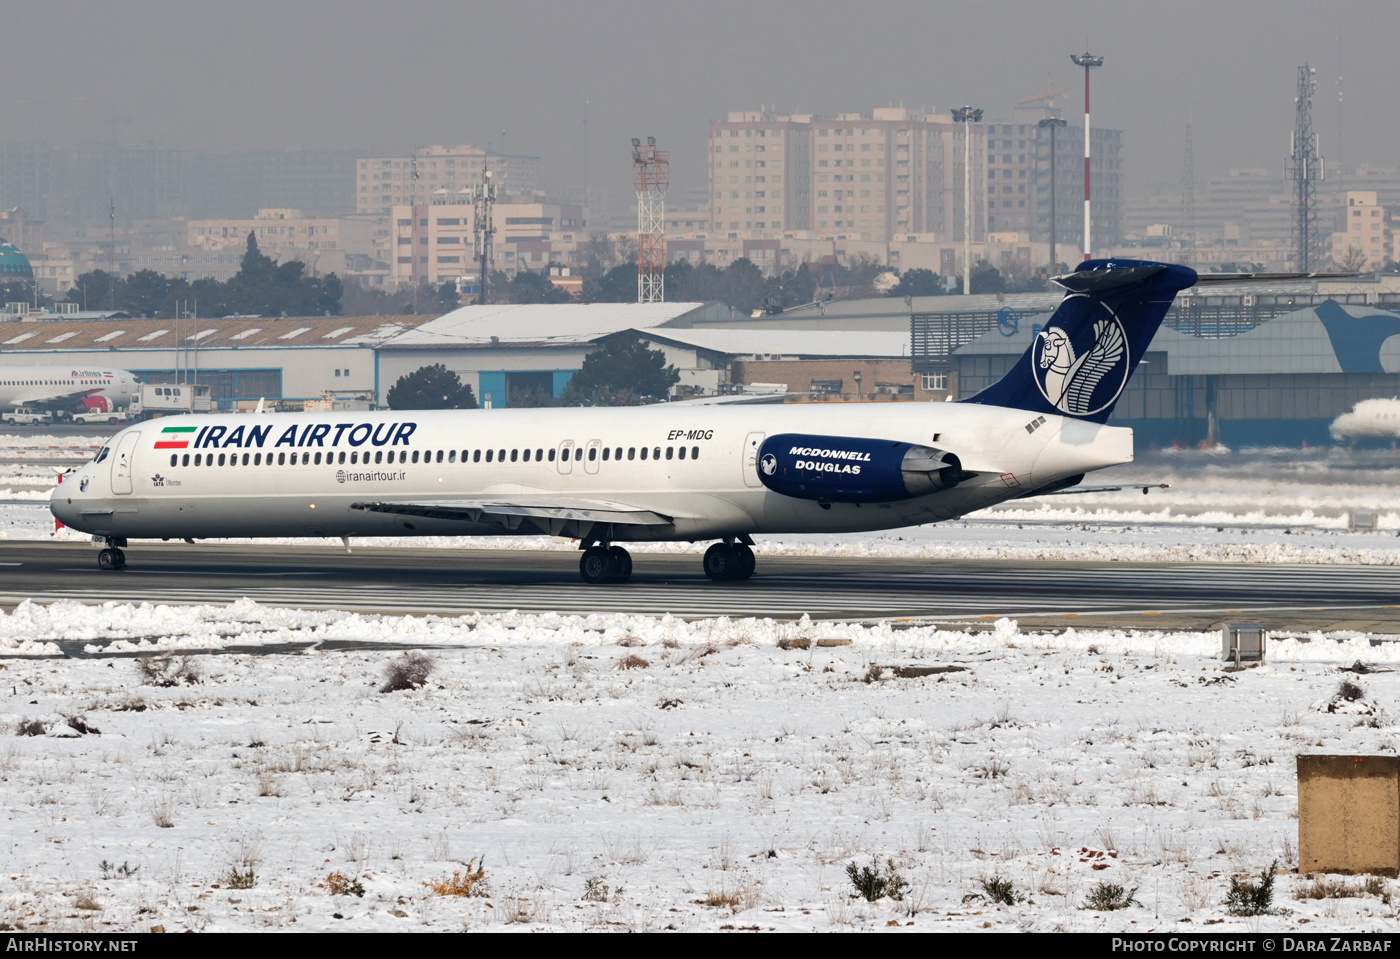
pixel 282 234
pixel 1362 232
pixel 439 175
pixel 437 241
pixel 894 172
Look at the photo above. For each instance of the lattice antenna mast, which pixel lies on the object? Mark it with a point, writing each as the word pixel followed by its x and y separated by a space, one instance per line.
pixel 1188 202
pixel 1306 169
pixel 485 229
pixel 651 175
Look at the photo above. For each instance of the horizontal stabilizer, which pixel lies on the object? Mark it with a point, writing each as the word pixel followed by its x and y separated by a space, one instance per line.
pixel 1206 279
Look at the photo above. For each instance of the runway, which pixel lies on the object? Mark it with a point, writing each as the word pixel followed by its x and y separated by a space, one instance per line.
pixel 453 582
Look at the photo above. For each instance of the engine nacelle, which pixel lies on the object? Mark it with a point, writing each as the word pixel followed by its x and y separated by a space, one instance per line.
pixel 854 469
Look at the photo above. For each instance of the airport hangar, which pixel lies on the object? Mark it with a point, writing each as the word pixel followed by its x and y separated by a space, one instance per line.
pixel 497 350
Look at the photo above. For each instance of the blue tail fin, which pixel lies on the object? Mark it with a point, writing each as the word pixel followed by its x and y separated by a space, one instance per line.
pixel 1079 364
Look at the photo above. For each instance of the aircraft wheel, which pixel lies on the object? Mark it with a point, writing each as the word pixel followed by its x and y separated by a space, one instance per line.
pixel 622 564
pixel 747 561
pixel 596 565
pixel 119 557
pixel 721 562
pixel 107 559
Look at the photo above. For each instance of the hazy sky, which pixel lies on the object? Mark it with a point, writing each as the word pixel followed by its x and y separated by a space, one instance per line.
pixel 398 75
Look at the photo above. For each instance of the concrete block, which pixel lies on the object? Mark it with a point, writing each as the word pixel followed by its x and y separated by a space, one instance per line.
pixel 1349 815
pixel 833 642
pixel 794 644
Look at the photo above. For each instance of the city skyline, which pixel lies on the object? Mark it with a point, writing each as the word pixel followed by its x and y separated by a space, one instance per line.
pixel 340 75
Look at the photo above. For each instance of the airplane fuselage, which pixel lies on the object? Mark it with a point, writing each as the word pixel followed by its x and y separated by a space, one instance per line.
pixel 69 388
pixel 272 475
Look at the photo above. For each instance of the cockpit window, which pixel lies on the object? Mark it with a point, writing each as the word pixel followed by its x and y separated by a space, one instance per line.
pixel 102 454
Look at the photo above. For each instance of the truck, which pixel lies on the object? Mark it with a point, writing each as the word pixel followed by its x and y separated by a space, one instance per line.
pixel 26 416
pixel 88 417
pixel 169 399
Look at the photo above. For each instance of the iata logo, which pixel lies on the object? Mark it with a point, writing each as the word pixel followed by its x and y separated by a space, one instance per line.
pixel 769 465
pixel 1086 377
pixel 157 480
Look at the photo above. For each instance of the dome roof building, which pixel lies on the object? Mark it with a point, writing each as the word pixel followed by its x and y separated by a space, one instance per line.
pixel 14 265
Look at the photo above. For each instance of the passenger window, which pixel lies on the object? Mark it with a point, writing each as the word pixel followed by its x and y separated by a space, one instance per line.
pixel 415 456
pixel 551 456
pixel 631 452
pixel 592 453
pixel 245 459
pixel 681 452
pixel 403 456
pixel 514 455
pixel 503 456
pixel 644 452
pixel 306 458
pixel 606 452
pixel 281 459
pixel 318 458
pixel 173 457
pixel 198 459
pixel 578 453
pixel 342 457
pixel 476 456
pixel 439 456
pixel 539 455
pixel 668 452
pixel 618 454
pixel 257 459
pixel 221 459
pixel 185 460
pixel 452 456
pixel 695 452
pixel 354 456
pixel 490 455
pixel 656 454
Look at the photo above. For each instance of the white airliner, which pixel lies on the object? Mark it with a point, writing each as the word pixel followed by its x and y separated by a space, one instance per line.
pixel 666 472
pixel 66 388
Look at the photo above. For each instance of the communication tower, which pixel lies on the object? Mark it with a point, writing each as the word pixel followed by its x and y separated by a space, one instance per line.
pixel 651 175
pixel 1306 168
pixel 485 229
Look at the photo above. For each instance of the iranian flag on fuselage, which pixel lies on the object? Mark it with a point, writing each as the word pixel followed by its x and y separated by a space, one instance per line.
pixel 174 438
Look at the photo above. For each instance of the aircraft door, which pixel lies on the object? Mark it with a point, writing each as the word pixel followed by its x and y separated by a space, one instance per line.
pixel 590 459
pixel 566 456
pixel 751 445
pixel 121 462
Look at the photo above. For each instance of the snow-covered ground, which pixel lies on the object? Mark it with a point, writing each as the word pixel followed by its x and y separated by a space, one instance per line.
pixel 721 782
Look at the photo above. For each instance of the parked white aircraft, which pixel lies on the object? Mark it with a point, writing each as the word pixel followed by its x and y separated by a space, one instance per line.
pixel 666 472
pixel 66 388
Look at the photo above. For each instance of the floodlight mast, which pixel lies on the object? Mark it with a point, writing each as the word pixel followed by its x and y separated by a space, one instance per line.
pixel 1088 61
pixel 967 116
pixel 1052 123
pixel 651 175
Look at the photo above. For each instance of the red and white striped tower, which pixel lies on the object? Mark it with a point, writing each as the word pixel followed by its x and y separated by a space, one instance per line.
pixel 651 175
pixel 1088 61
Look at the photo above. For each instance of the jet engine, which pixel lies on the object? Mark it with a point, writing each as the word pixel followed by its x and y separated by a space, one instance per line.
pixel 853 469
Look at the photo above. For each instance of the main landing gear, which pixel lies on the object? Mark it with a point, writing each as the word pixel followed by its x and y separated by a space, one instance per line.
pixel 605 564
pixel 112 557
pixel 727 562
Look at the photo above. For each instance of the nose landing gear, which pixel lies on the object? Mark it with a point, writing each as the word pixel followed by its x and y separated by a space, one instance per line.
pixel 112 557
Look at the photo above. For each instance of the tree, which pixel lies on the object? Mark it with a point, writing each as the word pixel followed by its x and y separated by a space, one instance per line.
pixel 917 281
pixel 530 287
pixel 987 279
pixel 622 372
pixel 448 297
pixel 431 388
pixel 618 285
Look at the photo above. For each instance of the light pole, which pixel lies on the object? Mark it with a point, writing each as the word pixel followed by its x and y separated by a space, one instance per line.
pixel 1052 123
pixel 1088 61
pixel 967 116
pixel 856 377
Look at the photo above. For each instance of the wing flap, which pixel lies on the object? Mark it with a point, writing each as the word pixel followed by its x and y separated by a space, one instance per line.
pixel 545 511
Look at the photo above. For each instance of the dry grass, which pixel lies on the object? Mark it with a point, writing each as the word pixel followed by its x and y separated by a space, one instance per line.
pixel 339 884
pixel 632 661
pixel 1320 887
pixel 472 883
pixel 721 899
pixel 409 671
pixel 167 671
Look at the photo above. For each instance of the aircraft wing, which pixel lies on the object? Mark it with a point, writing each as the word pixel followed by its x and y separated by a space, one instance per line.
pixel 550 513
pixel 42 399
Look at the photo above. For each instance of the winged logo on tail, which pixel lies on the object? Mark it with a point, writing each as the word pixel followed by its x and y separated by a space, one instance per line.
pixel 1071 382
